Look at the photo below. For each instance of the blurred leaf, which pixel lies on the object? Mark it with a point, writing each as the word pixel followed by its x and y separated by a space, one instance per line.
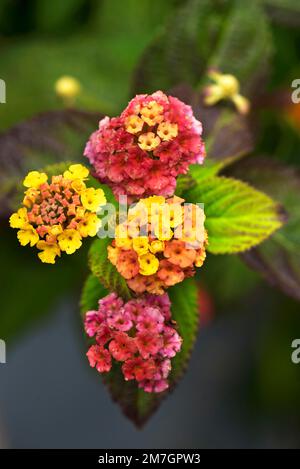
pixel 286 12
pixel 229 293
pixel 49 138
pixel 16 17
pixel 103 66
pixel 277 380
pixel 278 259
pixel 245 44
pixel 92 292
pixel 185 311
pixel 238 217
pixel 105 271
pixel 31 290
pixel 178 53
pixel 229 140
pixel 136 404
pixel 237 30
pixel 59 17
pixel 139 19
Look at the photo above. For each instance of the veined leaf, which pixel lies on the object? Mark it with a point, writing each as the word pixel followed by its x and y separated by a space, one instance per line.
pixel 278 259
pixel 92 291
pixel 231 35
pixel 105 271
pixel 245 45
pixel 238 216
pixel 185 311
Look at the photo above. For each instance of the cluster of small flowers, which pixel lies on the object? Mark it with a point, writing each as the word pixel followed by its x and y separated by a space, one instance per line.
pixel 160 243
pixel 139 334
pixel 58 214
pixel 142 151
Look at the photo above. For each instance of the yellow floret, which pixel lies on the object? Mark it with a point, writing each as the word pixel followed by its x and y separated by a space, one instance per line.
pixel 148 264
pixel 148 141
pixel 157 246
pixel 76 171
pixel 140 245
pixel 152 114
pixel 55 230
pixel 92 198
pixel 167 131
pixel 134 124
pixel 19 219
pixel 121 237
pixel 49 252
pixel 31 195
pixel 69 241
pixel 113 254
pixel 200 258
pixel 35 179
pixel 90 225
pixel 27 235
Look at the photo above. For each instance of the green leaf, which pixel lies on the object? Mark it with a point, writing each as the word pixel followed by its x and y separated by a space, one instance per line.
pixel 105 271
pixel 92 292
pixel 136 404
pixel 238 217
pixel 278 259
pixel 185 311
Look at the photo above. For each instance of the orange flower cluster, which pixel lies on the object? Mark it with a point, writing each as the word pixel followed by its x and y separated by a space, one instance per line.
pixel 160 243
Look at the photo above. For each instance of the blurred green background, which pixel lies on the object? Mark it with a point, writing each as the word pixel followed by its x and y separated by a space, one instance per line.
pixel 115 48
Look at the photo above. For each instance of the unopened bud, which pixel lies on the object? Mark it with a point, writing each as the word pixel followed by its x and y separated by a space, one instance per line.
pixel 67 88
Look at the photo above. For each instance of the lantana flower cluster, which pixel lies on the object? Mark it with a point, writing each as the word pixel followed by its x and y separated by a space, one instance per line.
pixel 157 244
pixel 142 151
pixel 138 334
pixel 56 215
pixel 160 243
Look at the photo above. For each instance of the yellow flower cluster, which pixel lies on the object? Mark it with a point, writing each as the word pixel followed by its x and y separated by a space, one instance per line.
pixel 161 240
pixel 56 215
pixel 149 123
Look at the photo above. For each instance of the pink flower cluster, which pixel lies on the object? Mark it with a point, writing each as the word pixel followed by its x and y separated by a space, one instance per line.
pixel 142 151
pixel 139 334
